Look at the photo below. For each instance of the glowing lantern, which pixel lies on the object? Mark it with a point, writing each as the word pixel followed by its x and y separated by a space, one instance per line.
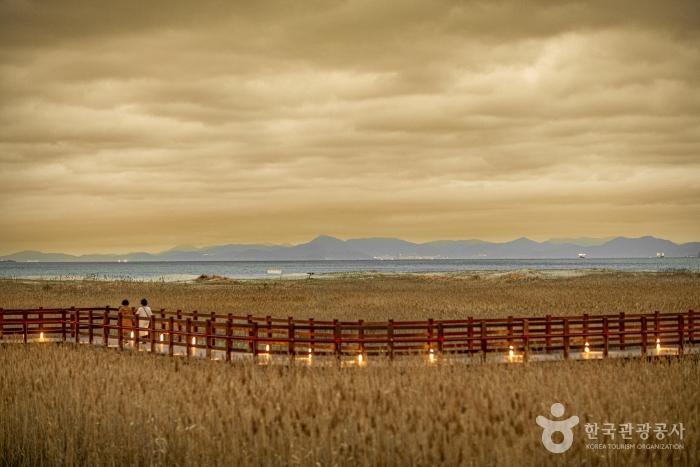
pixel 658 345
pixel 431 356
pixel 586 348
pixel 162 337
pixel 511 352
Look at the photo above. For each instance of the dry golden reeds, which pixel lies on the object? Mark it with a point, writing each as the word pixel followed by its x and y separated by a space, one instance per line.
pixel 384 297
pixel 79 405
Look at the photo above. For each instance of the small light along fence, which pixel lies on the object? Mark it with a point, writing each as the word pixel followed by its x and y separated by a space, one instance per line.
pixel 211 335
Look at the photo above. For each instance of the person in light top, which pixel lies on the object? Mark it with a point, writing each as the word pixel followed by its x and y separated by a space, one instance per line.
pixel 144 313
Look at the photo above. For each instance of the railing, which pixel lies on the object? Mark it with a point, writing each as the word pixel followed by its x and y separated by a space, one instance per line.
pixel 195 333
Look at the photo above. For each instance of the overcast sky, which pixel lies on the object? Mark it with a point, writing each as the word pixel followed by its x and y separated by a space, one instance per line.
pixel 141 125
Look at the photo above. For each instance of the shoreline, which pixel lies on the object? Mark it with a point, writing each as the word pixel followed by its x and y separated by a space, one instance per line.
pixel 511 274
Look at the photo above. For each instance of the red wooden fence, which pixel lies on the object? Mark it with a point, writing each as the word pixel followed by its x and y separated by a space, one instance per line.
pixel 230 334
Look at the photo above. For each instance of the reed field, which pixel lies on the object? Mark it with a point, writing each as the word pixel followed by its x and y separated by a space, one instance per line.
pixel 68 404
pixel 382 297
pixel 80 405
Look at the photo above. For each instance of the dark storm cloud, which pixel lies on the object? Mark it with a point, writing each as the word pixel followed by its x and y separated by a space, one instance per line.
pixel 275 121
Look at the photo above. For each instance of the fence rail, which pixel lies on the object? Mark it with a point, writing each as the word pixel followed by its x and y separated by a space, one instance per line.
pixel 194 333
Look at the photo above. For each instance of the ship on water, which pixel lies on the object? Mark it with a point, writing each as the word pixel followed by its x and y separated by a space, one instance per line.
pixel 582 255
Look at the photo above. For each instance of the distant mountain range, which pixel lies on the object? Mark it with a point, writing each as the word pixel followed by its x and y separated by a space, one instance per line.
pixel 329 248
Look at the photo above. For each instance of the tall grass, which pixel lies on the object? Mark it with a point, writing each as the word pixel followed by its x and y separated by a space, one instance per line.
pixel 384 297
pixel 79 405
pixel 68 405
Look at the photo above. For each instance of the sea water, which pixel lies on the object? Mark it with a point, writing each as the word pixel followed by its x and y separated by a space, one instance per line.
pixel 188 270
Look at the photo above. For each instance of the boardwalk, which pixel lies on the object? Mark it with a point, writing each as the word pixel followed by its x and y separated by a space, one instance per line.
pixel 226 337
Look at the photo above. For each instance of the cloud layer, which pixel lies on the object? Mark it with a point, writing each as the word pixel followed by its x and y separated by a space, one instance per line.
pixel 127 126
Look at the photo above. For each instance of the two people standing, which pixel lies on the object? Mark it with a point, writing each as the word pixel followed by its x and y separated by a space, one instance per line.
pixel 143 314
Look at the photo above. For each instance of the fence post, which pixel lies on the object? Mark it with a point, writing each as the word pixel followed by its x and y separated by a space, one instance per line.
pixel 254 338
pixel 470 335
pixel 622 330
pixel 152 332
pixel 195 316
pixel 691 325
pixel 644 335
pixel 2 324
pixel 681 335
pixel 510 331
pixel 63 325
pixel 606 338
pixel 90 330
pixel 566 338
pixel 361 335
pixel 40 319
pixel 212 328
pixel 336 338
pixel 211 332
pixel 585 328
pixel 179 325
pixel 657 326
pixel 390 335
pixel 548 333
pixel 171 341
pixel 24 327
pixel 120 331
pixel 208 332
pixel 441 338
pixel 268 322
pixel 188 337
pixel 484 341
pixel 250 333
pixel 136 326
pixel 133 324
pixel 526 340
pixel 430 334
pixel 77 326
pixel 291 336
pixel 312 336
pixel 105 328
pixel 229 337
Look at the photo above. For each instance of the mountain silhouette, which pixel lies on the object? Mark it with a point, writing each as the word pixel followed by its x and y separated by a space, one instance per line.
pixel 325 247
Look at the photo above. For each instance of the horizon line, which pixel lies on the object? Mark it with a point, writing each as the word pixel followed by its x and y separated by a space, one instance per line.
pixel 176 248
